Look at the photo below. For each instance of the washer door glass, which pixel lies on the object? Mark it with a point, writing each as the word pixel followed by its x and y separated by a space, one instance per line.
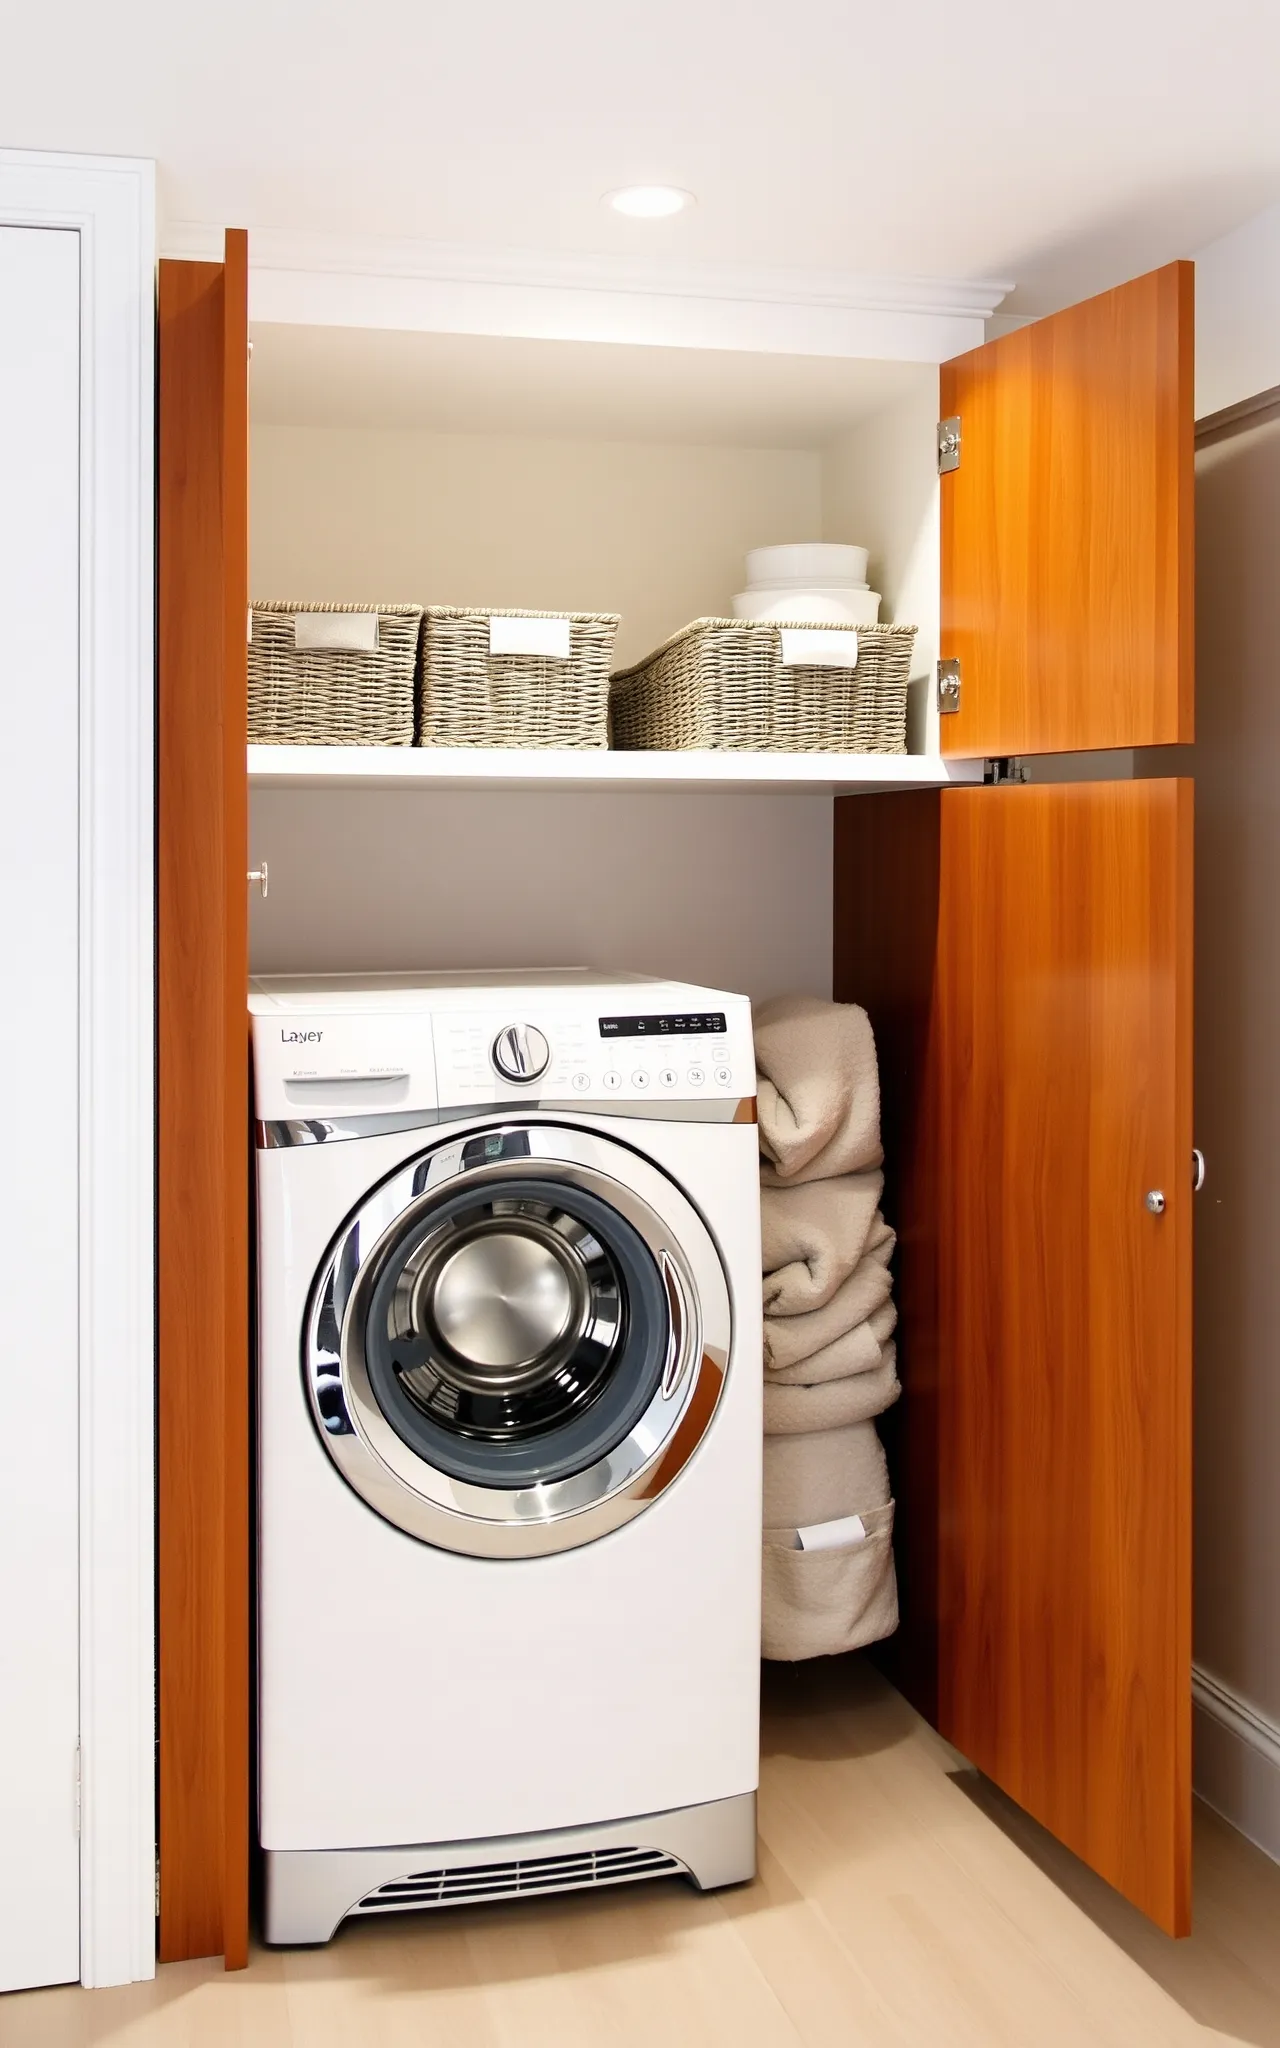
pixel 518 1341
pixel 516 1331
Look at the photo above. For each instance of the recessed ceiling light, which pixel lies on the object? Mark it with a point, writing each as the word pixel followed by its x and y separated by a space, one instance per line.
pixel 649 202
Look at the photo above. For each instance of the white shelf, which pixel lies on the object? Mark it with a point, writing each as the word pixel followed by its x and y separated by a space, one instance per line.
pixel 498 768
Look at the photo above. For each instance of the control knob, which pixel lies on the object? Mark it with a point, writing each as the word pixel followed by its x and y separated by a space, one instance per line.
pixel 520 1053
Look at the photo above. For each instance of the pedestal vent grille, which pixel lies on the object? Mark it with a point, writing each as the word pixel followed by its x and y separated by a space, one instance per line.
pixel 465 1884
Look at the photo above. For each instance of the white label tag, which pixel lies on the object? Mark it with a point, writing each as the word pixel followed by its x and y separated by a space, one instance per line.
pixel 819 647
pixel 345 632
pixel 548 637
pixel 850 1529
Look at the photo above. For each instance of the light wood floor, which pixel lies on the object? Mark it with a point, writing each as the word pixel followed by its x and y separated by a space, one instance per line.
pixel 899 1901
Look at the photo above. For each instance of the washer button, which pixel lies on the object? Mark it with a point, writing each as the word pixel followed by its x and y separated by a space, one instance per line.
pixel 695 1077
pixel 668 1076
pixel 640 1079
pixel 582 1082
pixel 613 1081
pixel 724 1076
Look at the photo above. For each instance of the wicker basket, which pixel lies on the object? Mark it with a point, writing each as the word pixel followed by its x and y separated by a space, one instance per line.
pixel 721 683
pixel 474 698
pixel 329 696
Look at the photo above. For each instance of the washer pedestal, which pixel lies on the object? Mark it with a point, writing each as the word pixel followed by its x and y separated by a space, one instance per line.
pixel 309 1892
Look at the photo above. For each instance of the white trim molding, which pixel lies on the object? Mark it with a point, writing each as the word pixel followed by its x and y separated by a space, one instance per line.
pixel 437 287
pixel 1237 1760
pixel 110 203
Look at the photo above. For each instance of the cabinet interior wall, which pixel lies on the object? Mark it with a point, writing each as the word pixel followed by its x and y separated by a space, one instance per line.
pixel 555 476
pixel 493 483
pixel 733 891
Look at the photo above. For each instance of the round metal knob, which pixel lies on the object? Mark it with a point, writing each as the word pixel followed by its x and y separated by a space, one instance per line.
pixel 1155 1202
pixel 520 1053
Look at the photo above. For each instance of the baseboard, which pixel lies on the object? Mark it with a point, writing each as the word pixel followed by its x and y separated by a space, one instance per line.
pixel 1237 1760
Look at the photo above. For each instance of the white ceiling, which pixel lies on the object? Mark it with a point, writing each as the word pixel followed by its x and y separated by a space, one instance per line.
pixel 372 377
pixel 1064 147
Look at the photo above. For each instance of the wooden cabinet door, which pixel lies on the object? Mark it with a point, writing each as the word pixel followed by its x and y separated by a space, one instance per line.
pixel 1067 566
pixel 1025 954
pixel 1064 1059
pixel 203 1154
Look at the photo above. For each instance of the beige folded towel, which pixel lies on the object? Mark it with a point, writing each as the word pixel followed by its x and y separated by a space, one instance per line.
pixel 790 1340
pixel 818 1090
pixel 823 1474
pixel 813 1236
pixel 797 1410
pixel 859 1350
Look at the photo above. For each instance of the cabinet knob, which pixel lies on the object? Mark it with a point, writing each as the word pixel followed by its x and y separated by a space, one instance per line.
pixel 259 875
pixel 1155 1201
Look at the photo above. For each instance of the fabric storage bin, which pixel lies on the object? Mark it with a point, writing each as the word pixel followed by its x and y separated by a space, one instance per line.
pixel 333 675
pixel 816 1603
pixel 515 679
pixel 750 685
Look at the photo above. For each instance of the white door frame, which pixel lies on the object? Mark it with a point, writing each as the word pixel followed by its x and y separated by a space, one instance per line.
pixel 110 202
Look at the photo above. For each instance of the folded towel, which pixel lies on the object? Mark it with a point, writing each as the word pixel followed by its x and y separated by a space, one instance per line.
pixel 822 1474
pixel 817 1089
pixel 790 1340
pixel 831 1404
pixel 814 1235
pixel 858 1350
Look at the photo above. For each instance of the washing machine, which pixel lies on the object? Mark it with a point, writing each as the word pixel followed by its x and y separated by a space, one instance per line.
pixel 509 1439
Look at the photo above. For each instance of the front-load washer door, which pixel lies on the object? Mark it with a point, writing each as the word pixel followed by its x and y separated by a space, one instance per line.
pixel 518 1340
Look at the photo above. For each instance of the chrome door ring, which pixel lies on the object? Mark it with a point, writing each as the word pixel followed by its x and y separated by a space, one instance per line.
pixel 533 1520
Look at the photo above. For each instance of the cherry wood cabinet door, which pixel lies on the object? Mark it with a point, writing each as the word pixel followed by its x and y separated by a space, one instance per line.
pixel 203 1153
pixel 1067 529
pixel 1062 1073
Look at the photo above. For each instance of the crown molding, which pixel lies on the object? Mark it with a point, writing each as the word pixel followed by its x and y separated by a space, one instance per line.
pixel 461 263
pixel 377 281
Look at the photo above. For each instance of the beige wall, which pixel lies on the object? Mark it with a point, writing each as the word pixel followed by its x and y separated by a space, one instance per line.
pixel 733 891
pixel 1237 763
pixel 657 533
pixel 880 490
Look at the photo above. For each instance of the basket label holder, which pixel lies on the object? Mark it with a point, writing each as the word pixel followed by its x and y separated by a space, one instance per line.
pixel 818 647
pixel 547 637
pixel 338 632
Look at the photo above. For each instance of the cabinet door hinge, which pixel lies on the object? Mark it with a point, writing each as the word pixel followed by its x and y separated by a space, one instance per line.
pixel 1004 768
pixel 948 687
pixel 949 444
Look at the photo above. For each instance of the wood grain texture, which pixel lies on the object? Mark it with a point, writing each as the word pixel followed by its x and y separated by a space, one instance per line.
pixel 1067 531
pixel 1063 1007
pixel 885 926
pixel 202 1412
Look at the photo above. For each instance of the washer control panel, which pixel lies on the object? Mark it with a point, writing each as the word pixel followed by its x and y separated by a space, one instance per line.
pixel 568 1057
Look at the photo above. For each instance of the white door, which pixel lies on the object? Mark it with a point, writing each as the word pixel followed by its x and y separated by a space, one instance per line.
pixel 39 1060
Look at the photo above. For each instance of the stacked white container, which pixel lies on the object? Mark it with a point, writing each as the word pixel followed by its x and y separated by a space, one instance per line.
pixel 808 583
